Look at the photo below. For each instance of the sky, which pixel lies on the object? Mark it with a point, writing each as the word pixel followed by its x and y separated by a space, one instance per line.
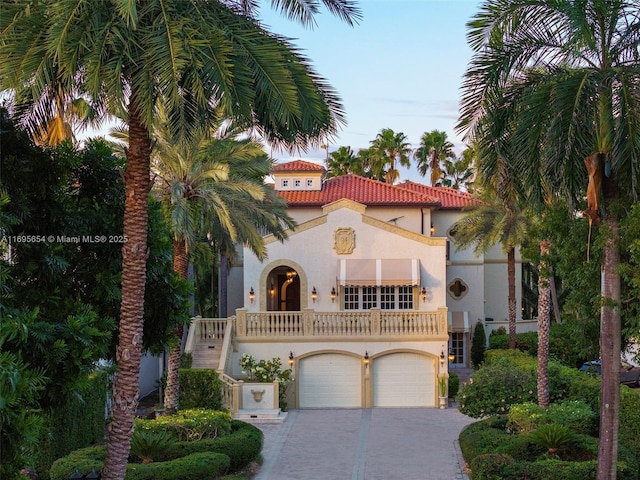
pixel 400 68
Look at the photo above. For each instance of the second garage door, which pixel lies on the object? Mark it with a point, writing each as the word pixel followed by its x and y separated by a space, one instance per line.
pixel 404 380
pixel 330 380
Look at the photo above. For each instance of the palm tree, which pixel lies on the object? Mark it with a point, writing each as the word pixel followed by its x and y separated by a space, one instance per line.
pixel 200 182
pixel 568 72
pixel 191 56
pixel 386 149
pixel 457 172
pixel 434 148
pixel 344 161
pixel 500 218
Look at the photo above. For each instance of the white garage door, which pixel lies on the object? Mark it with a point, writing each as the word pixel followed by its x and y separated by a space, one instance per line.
pixel 403 380
pixel 330 380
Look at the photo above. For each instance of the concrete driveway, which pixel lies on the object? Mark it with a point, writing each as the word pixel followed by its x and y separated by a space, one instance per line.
pixel 370 444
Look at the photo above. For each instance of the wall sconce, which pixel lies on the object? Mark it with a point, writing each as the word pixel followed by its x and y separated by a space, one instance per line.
pixel 423 294
pixel 366 358
pixel 252 295
pixel 314 294
pixel 432 229
pixel 291 357
pixel 333 294
pixel 272 290
pixel 452 356
pixel 442 357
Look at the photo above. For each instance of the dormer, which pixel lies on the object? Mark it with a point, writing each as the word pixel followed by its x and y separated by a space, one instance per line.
pixel 298 175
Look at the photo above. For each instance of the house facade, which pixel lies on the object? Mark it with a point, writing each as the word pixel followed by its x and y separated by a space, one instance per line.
pixel 367 298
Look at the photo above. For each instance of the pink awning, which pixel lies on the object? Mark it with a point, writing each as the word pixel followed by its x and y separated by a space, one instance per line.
pixel 379 272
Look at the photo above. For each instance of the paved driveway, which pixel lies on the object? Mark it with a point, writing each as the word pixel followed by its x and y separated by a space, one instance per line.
pixel 370 444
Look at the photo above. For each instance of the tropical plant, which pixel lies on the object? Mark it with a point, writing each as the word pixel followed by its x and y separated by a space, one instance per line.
pixel 149 445
pixel 457 173
pixel 191 56
pixel 565 74
pixel 344 161
pixel 433 150
pixel 386 150
pixel 553 437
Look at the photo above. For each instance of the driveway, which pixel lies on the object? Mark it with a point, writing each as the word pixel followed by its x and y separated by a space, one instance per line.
pixel 369 444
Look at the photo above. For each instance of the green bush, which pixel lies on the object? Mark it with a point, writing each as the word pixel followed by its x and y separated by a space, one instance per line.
pixel 553 437
pixel 149 446
pixel 199 388
pixel 575 414
pixel 84 460
pixel 478 345
pixel 192 467
pixel 454 384
pixel 189 425
pixel 242 446
pixel 629 431
pixel 76 422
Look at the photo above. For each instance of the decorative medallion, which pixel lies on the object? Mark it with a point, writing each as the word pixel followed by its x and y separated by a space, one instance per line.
pixel 344 241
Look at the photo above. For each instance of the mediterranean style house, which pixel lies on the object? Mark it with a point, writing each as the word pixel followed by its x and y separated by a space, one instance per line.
pixel 368 301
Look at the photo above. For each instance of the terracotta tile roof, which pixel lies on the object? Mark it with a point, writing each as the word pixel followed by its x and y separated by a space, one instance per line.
pixel 298 166
pixel 449 197
pixel 361 190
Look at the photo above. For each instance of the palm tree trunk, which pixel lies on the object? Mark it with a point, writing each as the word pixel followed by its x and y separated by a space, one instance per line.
pixel 511 278
pixel 610 331
pixel 543 326
pixel 554 296
pixel 134 259
pixel 223 284
pixel 171 392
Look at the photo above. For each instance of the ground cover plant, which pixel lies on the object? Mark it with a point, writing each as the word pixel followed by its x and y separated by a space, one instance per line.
pixel 194 444
pixel 516 439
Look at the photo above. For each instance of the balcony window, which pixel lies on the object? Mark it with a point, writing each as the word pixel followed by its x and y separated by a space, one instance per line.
pixel 384 298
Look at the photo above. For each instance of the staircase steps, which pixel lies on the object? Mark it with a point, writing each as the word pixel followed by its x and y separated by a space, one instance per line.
pixel 207 355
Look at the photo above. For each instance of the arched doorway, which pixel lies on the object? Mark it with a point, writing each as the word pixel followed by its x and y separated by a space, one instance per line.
pixel 283 290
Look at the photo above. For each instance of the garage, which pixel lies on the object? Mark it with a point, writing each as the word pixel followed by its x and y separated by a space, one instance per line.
pixel 404 379
pixel 330 380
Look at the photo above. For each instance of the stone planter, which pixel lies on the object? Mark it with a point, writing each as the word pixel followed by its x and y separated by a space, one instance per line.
pixel 443 402
pixel 260 396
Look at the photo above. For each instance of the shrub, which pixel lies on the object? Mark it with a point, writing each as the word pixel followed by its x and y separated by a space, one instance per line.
pixel 575 414
pixel 629 432
pixel 84 460
pixel 189 425
pixel 242 446
pixel 553 437
pixel 199 388
pixel 149 446
pixel 524 417
pixel 478 345
pixel 454 384
pixel 192 467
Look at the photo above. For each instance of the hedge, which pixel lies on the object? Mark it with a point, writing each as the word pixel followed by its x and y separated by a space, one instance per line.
pixel 189 425
pixel 233 452
pixel 76 422
pixel 196 466
pixel 199 388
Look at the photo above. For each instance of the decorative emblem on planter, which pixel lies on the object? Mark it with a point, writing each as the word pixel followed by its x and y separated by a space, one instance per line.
pixel 344 241
pixel 257 395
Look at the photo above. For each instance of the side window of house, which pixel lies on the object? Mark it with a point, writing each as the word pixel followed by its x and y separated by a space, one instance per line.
pixel 297 183
pixel 309 182
pixel 285 183
pixel 351 300
pixel 387 298
pixel 405 298
pixel 369 297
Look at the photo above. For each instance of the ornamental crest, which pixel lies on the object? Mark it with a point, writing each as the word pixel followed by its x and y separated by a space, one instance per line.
pixel 344 241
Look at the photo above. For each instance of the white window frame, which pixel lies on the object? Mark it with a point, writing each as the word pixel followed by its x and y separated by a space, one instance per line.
pixel 384 298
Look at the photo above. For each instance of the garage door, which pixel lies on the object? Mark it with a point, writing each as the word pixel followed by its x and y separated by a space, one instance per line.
pixel 330 380
pixel 403 380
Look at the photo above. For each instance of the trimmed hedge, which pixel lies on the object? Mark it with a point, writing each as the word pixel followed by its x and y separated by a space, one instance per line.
pixel 233 452
pixel 199 388
pixel 196 466
pixel 190 425
pixel 77 422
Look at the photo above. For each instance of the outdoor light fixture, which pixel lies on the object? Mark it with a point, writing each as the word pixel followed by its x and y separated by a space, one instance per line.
pixel 272 290
pixel 291 359
pixel 452 356
pixel 333 294
pixel 252 295
pixel 423 294
pixel 432 229
pixel 314 294
pixel 442 356
pixel 366 358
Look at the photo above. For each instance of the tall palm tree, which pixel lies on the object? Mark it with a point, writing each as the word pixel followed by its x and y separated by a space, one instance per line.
pixel 387 149
pixel 209 184
pixel 500 218
pixel 457 173
pixel 434 148
pixel 571 70
pixel 190 55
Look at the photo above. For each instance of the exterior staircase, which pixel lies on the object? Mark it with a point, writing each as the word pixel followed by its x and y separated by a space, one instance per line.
pixel 207 355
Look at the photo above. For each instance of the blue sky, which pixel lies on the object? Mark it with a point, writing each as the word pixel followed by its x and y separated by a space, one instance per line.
pixel 400 68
